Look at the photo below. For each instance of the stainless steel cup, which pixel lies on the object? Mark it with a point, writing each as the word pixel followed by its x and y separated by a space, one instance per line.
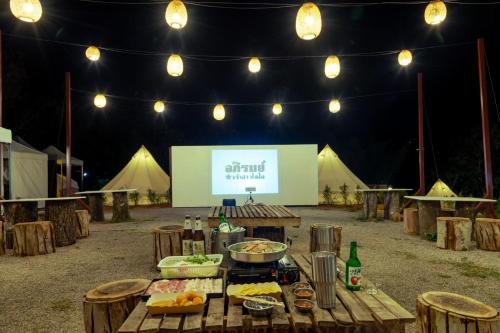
pixel 324 275
pixel 322 237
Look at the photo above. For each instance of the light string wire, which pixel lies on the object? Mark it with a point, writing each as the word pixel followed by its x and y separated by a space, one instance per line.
pixel 186 103
pixel 229 58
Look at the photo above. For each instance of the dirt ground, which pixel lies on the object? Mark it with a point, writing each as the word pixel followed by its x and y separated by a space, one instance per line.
pixel 44 293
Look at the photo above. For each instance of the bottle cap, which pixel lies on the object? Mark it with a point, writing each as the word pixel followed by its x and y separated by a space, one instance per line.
pixel 188 216
pixel 354 243
pixel 197 217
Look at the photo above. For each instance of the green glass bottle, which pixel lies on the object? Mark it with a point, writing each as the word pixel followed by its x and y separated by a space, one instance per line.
pixel 223 224
pixel 353 269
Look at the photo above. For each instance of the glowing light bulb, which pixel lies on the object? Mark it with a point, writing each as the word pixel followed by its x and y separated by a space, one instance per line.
pixel 277 109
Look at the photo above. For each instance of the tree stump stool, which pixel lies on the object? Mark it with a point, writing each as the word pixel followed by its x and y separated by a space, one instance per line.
pixel 442 312
pixel 2 238
pixel 96 203
pixel 488 234
pixel 120 207
pixel 454 233
pixel 106 307
pixel 82 223
pixel 34 238
pixel 15 212
pixel 370 205
pixel 167 242
pixel 325 237
pixel 62 214
pixel 410 221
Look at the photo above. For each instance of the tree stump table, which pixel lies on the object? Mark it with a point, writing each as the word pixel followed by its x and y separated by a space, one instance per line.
pixel 106 307
pixel 34 238
pixel 120 207
pixel 96 203
pixel 120 204
pixel 410 221
pixel 82 223
pixel 391 202
pixel 167 242
pixel 18 210
pixel 454 233
pixel 2 238
pixel 488 234
pixel 442 312
pixel 61 212
pixel 370 200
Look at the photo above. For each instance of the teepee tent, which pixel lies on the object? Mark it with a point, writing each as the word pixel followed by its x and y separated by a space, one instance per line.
pixel 334 173
pixel 440 189
pixel 142 173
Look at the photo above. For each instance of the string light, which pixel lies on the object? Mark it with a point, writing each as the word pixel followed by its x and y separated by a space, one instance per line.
pixel 175 67
pixel 100 101
pixel 254 65
pixel 277 109
pixel 308 21
pixel 405 58
pixel 435 12
pixel 334 106
pixel 92 53
pixel 219 112
pixel 26 10
pixel 176 14
pixel 332 67
pixel 159 106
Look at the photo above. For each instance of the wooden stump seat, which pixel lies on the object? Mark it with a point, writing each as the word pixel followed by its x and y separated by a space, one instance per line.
pixel 410 221
pixel 82 223
pixel 454 233
pixel 34 238
pixel 443 312
pixel 488 234
pixel 106 307
pixel 167 242
pixel 335 238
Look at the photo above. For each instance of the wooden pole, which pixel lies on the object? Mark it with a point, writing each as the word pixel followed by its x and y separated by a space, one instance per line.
pixel 1 115
pixel 483 90
pixel 421 155
pixel 68 134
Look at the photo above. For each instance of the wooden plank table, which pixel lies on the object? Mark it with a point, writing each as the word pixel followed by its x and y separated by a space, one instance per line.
pixel 255 216
pixel 391 201
pixel 120 204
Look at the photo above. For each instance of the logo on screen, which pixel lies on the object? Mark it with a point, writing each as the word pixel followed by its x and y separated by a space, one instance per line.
pixel 236 170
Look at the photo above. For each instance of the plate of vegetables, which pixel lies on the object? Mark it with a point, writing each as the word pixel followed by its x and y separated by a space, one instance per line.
pixel 200 265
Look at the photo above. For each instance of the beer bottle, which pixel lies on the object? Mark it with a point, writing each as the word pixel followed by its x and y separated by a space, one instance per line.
pixel 353 269
pixel 187 237
pixel 199 237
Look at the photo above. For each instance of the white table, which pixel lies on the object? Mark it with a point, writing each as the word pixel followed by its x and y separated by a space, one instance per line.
pixel 391 201
pixel 120 204
pixel 429 208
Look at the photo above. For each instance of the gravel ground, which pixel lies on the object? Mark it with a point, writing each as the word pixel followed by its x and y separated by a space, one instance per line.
pixel 44 293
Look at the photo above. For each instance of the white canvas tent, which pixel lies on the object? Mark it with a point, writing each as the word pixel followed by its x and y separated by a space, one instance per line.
pixel 59 158
pixel 28 174
pixel 142 173
pixel 334 173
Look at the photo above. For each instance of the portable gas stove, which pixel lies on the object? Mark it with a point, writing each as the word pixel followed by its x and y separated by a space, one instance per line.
pixel 283 271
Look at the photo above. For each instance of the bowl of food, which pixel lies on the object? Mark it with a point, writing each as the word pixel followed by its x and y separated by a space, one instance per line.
pixel 303 293
pixel 303 305
pixel 257 251
pixel 259 309
pixel 298 285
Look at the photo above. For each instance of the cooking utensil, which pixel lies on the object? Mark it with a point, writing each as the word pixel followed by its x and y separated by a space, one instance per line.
pixel 259 310
pixel 279 250
pixel 258 299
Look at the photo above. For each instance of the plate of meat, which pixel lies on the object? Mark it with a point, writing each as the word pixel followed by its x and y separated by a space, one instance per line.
pixel 212 287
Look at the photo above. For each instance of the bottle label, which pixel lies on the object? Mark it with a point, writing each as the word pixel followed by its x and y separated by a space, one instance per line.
pixel 199 247
pixel 354 277
pixel 197 225
pixel 187 247
pixel 187 224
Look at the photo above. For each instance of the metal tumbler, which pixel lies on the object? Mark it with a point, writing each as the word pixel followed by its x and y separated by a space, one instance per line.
pixel 322 238
pixel 324 275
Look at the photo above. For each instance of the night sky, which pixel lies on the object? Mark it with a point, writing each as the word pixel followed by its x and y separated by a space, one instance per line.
pixel 375 136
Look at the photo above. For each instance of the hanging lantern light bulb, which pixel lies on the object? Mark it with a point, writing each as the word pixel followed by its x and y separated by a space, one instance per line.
pixel 254 65
pixel 404 58
pixel 175 67
pixel 100 101
pixel 308 21
pixel 92 53
pixel 176 14
pixel 332 67
pixel 159 106
pixel 219 112
pixel 334 106
pixel 26 10
pixel 435 12
pixel 277 109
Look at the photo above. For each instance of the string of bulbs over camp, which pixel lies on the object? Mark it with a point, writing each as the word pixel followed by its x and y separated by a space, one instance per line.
pixel 308 26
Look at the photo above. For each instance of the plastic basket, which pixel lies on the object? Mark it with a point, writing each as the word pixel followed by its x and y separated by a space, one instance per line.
pixel 170 271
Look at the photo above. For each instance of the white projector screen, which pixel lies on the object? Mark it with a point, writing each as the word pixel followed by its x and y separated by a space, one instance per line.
pixel 276 174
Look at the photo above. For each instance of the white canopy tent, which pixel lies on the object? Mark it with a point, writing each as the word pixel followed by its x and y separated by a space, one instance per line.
pixel 59 158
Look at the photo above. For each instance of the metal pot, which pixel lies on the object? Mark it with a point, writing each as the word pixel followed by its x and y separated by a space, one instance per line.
pixel 256 258
pixel 224 239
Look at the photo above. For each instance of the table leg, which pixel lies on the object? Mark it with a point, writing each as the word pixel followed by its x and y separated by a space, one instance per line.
pixel 391 204
pixel 96 203
pixel 370 205
pixel 17 212
pixel 428 211
pixel 467 209
pixel 120 207
pixel 62 214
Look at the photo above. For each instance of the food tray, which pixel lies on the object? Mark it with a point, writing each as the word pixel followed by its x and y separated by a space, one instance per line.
pixel 155 310
pixel 274 290
pixel 169 271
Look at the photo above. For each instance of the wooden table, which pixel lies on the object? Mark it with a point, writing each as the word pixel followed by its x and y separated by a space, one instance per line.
pixel 391 201
pixel 120 204
pixel 354 312
pixel 256 216
pixel 429 208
